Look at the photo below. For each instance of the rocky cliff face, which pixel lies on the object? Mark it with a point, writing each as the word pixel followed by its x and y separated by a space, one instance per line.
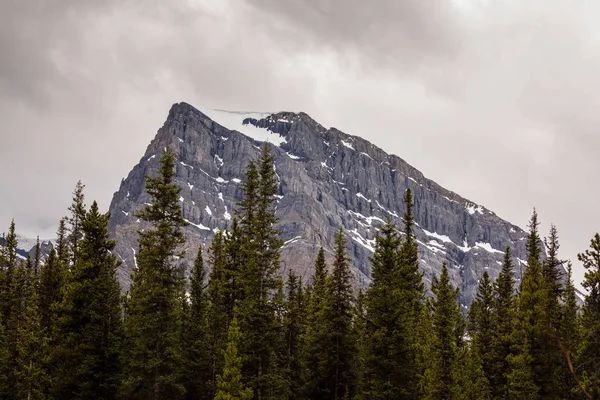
pixel 327 179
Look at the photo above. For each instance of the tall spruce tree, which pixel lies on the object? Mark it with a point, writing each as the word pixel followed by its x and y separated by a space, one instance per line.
pixel 551 358
pixel 293 326
pixel 502 311
pixel 77 210
pixel 588 354
pixel 29 379
pixel 229 383
pixel 4 363
pixel 8 263
pixel 153 308
pixel 525 380
pixel 90 326
pixel 482 326
pixel 569 337
pixel 258 277
pixel 197 367
pixel 339 312
pixel 316 345
pixel 447 331
pixel 218 307
pixel 389 372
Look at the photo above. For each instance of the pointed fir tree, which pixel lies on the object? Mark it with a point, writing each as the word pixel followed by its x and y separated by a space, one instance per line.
pixel 482 326
pixel 197 340
pixel 551 358
pixel 90 327
pixel 229 382
pixel 502 312
pixel 359 329
pixel 31 351
pixel 526 356
pixel 447 331
pixel 389 370
pixel 62 242
pixel 339 312
pixel 569 337
pixel 77 210
pixel 153 312
pixel 588 354
pixel 218 307
pixel 293 327
pixel 5 384
pixel 412 295
pixel 314 356
pixel 8 263
pixel 258 276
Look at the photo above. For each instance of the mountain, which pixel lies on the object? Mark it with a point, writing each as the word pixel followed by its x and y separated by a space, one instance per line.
pixel 327 179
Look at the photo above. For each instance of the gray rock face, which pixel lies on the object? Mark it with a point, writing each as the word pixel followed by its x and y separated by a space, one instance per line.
pixel 327 179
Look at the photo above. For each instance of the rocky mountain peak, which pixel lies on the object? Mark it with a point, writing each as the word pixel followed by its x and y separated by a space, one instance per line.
pixel 327 179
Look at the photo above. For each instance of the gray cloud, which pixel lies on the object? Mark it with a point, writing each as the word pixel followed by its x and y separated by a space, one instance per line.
pixel 495 100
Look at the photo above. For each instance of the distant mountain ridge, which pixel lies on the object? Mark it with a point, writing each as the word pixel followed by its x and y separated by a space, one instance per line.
pixel 327 179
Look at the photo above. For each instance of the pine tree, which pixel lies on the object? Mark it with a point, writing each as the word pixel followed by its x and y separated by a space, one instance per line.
pixel 258 276
pixel 218 307
pixel 389 369
pixel 8 262
pixel 293 326
pixel 359 329
pixel 527 350
pixel 412 295
pixel 153 309
pixel 5 384
pixel 551 358
pixel 31 352
pixel 77 210
pixel 229 383
pixel 447 331
pixel 339 312
pixel 62 242
pixel 197 339
pixel 482 326
pixel 588 354
pixel 503 312
pixel 90 326
pixel 316 345
pixel 568 339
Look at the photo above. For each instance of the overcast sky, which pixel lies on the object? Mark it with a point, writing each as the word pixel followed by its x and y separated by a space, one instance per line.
pixel 496 100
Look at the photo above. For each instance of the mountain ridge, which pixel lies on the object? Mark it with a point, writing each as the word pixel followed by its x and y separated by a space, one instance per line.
pixel 327 179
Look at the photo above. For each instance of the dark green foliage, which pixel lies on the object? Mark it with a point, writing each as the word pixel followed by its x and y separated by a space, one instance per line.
pixel 77 210
pixel 8 261
pixel 588 354
pixel 445 341
pixel 482 327
pixel 389 352
pixel 316 346
pixel 197 367
pixel 154 307
pixel 62 243
pixel 339 313
pixel 90 327
pixel 257 278
pixel 293 328
pixel 229 383
pixel 27 339
pixel 502 312
pixel 219 317
pixel 569 337
pixel 527 352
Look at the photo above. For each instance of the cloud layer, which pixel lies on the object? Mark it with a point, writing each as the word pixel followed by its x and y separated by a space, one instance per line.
pixel 494 100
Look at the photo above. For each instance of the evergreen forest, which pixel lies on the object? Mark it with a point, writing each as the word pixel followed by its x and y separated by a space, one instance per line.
pixel 233 329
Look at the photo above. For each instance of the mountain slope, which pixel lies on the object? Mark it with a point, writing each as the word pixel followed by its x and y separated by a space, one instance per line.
pixel 327 179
